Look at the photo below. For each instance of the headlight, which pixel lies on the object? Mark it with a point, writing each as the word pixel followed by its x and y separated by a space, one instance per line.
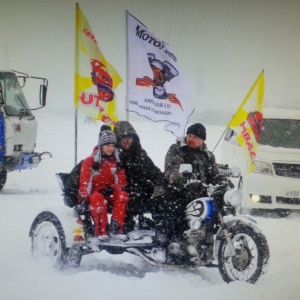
pixel 255 198
pixel 262 167
pixel 233 198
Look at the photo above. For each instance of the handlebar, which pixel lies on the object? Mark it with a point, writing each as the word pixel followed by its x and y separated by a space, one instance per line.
pixel 212 190
pixel 192 181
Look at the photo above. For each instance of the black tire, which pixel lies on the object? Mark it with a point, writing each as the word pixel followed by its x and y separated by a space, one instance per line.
pixel 3 177
pixel 48 243
pixel 253 255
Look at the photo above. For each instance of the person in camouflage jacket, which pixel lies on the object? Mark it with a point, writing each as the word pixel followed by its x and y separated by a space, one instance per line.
pixel 170 213
pixel 193 151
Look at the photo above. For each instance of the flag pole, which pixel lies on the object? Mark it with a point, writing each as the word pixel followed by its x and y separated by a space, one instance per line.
pixel 75 137
pixel 220 139
pixel 77 20
pixel 127 72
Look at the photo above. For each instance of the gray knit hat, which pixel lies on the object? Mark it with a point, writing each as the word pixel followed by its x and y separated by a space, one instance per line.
pixel 106 137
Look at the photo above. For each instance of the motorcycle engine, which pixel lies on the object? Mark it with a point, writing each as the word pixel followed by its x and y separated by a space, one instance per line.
pixel 190 237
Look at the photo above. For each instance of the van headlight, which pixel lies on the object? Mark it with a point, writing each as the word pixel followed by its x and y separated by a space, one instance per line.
pixel 233 198
pixel 262 167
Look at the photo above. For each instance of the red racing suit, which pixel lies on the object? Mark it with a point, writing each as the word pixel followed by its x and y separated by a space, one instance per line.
pixel 101 188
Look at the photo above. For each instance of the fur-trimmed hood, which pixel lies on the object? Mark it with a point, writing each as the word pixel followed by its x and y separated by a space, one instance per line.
pixel 123 128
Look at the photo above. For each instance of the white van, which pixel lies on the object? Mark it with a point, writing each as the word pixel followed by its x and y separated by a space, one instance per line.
pixel 275 182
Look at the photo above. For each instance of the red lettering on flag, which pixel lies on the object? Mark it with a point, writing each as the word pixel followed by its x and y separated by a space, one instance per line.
pixel 90 35
pixel 90 99
pixel 247 139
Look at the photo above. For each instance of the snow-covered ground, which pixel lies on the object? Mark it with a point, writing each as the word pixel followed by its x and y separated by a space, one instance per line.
pixel 104 276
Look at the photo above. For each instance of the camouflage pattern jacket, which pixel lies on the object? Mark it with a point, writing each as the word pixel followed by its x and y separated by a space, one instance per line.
pixel 203 164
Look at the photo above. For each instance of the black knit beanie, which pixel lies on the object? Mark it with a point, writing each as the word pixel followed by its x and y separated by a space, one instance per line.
pixel 105 127
pixel 198 130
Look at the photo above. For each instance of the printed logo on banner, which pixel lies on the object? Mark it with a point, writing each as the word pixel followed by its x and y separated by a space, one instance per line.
pixel 162 72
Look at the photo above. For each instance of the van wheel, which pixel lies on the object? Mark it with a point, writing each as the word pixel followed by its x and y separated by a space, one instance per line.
pixel 3 177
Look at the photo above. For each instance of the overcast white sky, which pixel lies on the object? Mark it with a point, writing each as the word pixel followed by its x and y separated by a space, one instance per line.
pixel 221 45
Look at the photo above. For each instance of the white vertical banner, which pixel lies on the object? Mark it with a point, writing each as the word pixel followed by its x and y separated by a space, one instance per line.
pixel 156 88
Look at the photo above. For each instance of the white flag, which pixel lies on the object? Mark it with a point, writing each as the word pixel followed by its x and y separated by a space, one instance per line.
pixel 156 88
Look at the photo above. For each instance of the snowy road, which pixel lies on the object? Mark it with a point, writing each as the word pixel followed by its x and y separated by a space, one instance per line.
pixel 104 276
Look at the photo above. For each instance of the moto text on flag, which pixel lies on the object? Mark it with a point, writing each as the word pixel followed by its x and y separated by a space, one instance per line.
pixel 156 88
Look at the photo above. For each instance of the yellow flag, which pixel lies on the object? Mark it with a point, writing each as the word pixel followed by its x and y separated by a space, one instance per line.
pixel 95 80
pixel 247 121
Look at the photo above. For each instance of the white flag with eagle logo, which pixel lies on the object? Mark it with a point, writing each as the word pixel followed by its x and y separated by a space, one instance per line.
pixel 156 88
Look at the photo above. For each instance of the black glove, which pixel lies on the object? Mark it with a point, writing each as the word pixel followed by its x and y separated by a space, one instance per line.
pixel 219 179
pixel 194 190
pixel 158 191
pixel 82 207
pixel 179 181
pixel 107 192
pixel 96 166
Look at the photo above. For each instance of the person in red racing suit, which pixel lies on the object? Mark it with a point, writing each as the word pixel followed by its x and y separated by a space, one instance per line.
pixel 102 183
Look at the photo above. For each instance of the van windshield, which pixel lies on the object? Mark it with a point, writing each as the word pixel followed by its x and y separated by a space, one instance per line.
pixel 283 133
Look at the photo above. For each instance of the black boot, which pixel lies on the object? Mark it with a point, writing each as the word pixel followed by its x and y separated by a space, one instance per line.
pixel 114 231
pixel 145 223
pixel 113 227
pixel 129 223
